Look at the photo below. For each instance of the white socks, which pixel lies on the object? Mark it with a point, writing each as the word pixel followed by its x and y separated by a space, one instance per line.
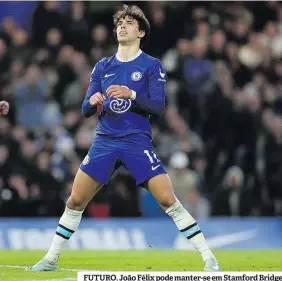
pixel 70 221
pixel 189 227
pixel 68 224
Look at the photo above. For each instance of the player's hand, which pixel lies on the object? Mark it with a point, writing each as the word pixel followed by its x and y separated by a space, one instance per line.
pixel 119 92
pixel 4 108
pixel 97 99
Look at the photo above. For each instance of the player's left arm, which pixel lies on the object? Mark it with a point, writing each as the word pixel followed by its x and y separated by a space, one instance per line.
pixel 154 101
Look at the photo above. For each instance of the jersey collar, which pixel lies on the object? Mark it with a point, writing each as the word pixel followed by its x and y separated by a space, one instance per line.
pixel 132 58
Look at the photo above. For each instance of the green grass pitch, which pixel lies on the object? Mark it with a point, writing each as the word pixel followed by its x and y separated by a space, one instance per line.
pixel 12 263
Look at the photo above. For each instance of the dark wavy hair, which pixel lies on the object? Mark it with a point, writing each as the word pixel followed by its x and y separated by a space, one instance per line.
pixel 136 13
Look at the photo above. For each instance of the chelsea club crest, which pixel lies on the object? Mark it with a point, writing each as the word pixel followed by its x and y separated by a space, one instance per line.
pixel 136 76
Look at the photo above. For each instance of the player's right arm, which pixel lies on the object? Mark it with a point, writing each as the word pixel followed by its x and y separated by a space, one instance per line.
pixel 93 95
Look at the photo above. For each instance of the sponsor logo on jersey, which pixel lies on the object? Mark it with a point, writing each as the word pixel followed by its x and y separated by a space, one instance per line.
pixel 120 105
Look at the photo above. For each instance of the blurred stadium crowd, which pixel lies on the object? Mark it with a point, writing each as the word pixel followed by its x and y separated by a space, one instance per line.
pixel 220 138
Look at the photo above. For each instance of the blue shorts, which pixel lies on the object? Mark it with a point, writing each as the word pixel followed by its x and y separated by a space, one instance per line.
pixel 135 152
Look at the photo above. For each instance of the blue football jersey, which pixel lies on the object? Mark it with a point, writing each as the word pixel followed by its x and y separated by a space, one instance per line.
pixel 121 117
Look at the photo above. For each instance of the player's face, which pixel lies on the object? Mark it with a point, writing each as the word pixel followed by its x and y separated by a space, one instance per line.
pixel 128 30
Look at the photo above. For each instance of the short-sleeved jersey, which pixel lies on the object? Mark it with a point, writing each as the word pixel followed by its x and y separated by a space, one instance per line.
pixel 121 117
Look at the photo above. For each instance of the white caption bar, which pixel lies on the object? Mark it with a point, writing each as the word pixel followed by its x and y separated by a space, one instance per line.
pixel 178 276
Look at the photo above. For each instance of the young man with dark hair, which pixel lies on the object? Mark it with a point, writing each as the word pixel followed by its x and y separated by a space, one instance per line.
pixel 130 86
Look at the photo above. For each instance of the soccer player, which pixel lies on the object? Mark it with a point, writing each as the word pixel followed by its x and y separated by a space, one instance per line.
pixel 4 108
pixel 130 86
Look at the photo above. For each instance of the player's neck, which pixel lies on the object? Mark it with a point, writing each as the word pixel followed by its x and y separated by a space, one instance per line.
pixel 125 53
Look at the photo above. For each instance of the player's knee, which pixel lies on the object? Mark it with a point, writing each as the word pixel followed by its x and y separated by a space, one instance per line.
pixel 76 204
pixel 167 202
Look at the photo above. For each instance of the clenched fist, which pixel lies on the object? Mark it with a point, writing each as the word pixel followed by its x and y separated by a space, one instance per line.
pixel 4 108
pixel 119 92
pixel 97 99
